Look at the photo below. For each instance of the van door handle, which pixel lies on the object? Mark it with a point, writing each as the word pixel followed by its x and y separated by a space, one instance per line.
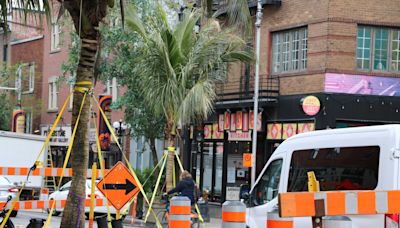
pixel 275 208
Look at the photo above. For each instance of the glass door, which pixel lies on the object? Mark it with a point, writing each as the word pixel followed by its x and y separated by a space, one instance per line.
pixel 208 169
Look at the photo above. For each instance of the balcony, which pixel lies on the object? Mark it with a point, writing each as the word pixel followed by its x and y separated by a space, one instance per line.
pixel 240 91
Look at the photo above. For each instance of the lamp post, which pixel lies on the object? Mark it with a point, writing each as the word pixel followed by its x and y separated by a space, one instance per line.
pixel 120 127
pixel 256 85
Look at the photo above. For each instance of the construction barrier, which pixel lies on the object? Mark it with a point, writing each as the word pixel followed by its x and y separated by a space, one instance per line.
pixel 233 214
pixel 44 172
pixel 179 212
pixel 45 204
pixel 303 204
pixel 274 221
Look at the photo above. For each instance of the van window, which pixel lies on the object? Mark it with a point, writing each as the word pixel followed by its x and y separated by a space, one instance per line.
pixel 344 168
pixel 268 186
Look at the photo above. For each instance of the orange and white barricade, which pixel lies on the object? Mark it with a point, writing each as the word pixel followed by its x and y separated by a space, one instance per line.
pixel 44 172
pixel 45 204
pixel 275 221
pixel 179 212
pixel 302 204
pixel 233 214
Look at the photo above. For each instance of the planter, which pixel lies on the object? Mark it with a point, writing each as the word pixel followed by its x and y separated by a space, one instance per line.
pixel 158 209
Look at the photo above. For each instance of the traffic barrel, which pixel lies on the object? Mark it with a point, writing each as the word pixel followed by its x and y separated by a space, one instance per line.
pixel 233 214
pixel 179 212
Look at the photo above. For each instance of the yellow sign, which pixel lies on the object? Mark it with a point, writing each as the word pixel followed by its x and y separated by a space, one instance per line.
pixel 247 160
pixel 310 105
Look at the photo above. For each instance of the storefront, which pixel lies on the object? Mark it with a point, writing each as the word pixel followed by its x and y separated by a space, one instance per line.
pixel 217 148
pixel 217 151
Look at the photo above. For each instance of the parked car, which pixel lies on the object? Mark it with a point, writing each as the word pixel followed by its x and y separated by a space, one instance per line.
pixel 62 194
pixel 8 189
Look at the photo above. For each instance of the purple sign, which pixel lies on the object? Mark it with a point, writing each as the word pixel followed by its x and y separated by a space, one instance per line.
pixel 362 84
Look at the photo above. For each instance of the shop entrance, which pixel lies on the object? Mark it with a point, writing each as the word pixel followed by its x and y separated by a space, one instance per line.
pixel 209 173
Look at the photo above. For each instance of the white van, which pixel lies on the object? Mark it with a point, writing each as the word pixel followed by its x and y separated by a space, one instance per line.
pixel 361 158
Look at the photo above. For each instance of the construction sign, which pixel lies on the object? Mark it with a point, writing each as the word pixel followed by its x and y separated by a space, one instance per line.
pixel 118 186
pixel 247 160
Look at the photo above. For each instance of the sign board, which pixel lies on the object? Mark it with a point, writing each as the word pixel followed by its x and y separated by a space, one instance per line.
pixel 247 160
pixel 118 185
pixel 232 193
pixel 239 136
pixel 310 105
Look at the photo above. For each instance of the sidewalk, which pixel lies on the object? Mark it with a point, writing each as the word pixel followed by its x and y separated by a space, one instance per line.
pixel 214 223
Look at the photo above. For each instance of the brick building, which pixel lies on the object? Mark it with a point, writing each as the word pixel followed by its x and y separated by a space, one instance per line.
pixel 41 50
pixel 323 64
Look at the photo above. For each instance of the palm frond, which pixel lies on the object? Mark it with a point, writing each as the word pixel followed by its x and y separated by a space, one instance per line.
pixel 134 23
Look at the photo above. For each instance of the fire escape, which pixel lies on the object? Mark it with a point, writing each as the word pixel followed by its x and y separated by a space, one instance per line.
pixel 239 90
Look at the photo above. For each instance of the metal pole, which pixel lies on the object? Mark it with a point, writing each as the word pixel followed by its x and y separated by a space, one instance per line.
pixel 256 87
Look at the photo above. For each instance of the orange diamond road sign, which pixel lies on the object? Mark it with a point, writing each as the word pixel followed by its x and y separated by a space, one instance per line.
pixel 246 160
pixel 118 185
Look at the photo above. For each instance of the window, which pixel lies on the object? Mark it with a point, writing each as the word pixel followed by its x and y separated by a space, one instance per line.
pixel 289 50
pixel 268 186
pixel 112 88
pixel 31 77
pixel 71 99
pixel 335 168
pixel 28 122
pixel 378 48
pixel 55 36
pixel 53 94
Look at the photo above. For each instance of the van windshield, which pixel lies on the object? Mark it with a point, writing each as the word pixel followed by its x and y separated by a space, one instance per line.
pixel 341 168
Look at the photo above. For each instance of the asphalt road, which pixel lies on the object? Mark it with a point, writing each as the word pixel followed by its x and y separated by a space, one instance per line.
pixel 23 217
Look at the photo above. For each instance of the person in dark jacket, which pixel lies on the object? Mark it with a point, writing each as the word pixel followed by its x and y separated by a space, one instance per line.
pixel 185 186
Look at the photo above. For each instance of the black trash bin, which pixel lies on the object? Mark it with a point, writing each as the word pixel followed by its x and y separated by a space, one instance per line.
pixel 36 223
pixel 102 222
pixel 116 223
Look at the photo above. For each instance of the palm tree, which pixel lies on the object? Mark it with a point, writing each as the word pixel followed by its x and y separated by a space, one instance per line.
pixel 86 17
pixel 179 68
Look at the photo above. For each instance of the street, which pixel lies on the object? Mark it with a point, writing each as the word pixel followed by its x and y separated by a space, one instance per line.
pixel 23 217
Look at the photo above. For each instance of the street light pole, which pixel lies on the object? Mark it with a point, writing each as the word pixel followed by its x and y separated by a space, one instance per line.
pixel 256 87
pixel 120 127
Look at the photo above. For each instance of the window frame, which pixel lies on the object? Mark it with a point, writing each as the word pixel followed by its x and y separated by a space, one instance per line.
pixel 112 88
pixel 31 77
pixel 283 51
pixel 372 48
pixel 55 37
pixel 254 200
pixel 53 94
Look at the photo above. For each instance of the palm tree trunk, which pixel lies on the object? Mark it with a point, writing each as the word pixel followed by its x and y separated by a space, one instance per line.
pixel 170 137
pixel 73 215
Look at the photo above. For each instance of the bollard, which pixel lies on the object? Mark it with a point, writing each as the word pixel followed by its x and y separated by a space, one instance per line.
pixel 179 212
pixel 233 214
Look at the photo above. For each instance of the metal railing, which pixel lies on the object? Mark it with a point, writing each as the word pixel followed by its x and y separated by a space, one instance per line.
pixel 243 88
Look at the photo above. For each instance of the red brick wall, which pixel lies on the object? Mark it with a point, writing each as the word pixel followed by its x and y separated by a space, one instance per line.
pixel 28 52
pixel 332 30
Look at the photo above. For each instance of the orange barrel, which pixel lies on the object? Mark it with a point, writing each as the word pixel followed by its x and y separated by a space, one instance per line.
pixel 179 212
pixel 233 214
pixel 275 221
